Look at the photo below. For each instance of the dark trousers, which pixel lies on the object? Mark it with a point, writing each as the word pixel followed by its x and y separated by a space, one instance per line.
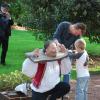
pixel 4 43
pixel 58 91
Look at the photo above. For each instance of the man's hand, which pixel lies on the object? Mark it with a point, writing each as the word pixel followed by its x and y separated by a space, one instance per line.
pixel 36 52
pixel 57 43
pixel 63 49
pixel 7 14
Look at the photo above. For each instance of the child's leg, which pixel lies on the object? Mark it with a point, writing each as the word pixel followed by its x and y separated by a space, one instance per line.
pixel 81 88
pixel 86 89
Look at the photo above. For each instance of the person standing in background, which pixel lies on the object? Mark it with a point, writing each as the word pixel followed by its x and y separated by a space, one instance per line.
pixel 5 30
pixel 66 34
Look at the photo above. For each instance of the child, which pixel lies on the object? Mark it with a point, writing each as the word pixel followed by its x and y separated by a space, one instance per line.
pixel 82 71
pixel 83 75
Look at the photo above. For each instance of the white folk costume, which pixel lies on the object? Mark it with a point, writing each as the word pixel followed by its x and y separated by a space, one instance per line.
pixel 45 76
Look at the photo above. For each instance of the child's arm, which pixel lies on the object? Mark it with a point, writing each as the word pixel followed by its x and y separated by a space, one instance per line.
pixel 87 60
pixel 74 55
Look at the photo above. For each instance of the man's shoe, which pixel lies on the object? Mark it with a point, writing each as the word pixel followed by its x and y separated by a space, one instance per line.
pixel 3 63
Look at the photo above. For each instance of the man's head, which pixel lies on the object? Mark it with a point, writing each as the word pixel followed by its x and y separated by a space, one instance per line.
pixel 4 8
pixel 50 49
pixel 80 45
pixel 78 29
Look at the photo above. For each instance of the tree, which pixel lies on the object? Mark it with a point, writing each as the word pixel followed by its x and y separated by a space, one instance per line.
pixel 45 14
pixel 15 8
pixel 87 11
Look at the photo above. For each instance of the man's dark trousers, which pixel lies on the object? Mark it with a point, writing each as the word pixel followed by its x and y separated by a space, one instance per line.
pixel 4 43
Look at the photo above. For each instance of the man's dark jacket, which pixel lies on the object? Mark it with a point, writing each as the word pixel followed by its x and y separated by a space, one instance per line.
pixel 5 26
pixel 63 35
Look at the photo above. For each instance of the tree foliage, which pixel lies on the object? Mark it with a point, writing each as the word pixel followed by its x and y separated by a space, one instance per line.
pixel 44 15
pixel 88 11
pixel 15 8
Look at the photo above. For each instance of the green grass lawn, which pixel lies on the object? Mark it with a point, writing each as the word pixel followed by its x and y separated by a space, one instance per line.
pixel 24 41
pixel 20 43
pixel 92 48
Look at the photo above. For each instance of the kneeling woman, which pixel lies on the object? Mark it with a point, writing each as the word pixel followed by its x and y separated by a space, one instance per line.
pixel 46 80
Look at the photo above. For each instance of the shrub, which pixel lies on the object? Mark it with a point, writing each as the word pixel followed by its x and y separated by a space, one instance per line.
pixel 94 37
pixel 10 81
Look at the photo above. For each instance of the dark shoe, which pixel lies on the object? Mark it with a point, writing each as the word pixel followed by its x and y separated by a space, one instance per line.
pixel 3 63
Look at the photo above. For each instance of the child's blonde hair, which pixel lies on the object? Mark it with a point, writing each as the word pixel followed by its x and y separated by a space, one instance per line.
pixel 80 43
